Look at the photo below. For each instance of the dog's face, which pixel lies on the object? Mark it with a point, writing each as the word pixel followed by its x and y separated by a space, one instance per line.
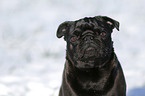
pixel 88 40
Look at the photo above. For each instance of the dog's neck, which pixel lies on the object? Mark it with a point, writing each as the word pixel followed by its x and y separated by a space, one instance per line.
pixel 93 79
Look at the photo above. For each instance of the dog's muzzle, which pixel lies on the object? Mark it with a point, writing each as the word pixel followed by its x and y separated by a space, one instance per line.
pixel 88 35
pixel 89 45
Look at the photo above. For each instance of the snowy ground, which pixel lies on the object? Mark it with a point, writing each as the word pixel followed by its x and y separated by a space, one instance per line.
pixel 32 58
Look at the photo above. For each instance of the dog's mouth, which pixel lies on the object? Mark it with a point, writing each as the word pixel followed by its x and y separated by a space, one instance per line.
pixel 89 52
pixel 92 52
pixel 92 57
pixel 89 49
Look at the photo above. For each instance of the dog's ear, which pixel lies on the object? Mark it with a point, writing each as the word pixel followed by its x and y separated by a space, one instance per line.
pixel 63 28
pixel 112 23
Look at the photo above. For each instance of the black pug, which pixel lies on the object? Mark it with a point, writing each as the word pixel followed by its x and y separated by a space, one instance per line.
pixel 91 68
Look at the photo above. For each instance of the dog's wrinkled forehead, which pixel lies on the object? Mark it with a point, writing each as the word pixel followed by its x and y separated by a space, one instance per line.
pixel 84 22
pixel 88 23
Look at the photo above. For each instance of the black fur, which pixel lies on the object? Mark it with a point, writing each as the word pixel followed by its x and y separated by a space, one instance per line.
pixel 91 68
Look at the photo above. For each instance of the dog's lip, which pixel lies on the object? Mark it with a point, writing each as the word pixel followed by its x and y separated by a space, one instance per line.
pixel 90 45
pixel 89 53
pixel 90 49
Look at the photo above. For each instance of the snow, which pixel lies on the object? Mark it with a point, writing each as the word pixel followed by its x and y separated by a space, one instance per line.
pixel 32 57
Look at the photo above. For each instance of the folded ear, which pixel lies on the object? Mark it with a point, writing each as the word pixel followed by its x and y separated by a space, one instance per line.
pixel 63 28
pixel 112 23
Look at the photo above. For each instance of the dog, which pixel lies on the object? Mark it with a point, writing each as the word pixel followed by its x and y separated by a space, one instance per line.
pixel 91 67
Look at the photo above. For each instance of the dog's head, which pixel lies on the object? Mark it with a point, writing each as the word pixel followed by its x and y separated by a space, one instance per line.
pixel 88 40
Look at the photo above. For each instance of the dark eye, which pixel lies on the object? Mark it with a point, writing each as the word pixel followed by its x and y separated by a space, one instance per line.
pixel 103 34
pixel 74 38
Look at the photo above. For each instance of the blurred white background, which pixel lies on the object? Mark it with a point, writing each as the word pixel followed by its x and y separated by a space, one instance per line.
pixel 32 58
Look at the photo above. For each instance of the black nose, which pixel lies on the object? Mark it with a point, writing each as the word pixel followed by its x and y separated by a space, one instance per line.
pixel 88 38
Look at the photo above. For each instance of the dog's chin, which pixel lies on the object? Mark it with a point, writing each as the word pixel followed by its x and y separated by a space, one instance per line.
pixel 88 57
pixel 89 62
pixel 91 59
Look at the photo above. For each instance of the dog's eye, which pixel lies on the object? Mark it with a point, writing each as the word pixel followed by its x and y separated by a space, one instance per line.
pixel 103 34
pixel 74 38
